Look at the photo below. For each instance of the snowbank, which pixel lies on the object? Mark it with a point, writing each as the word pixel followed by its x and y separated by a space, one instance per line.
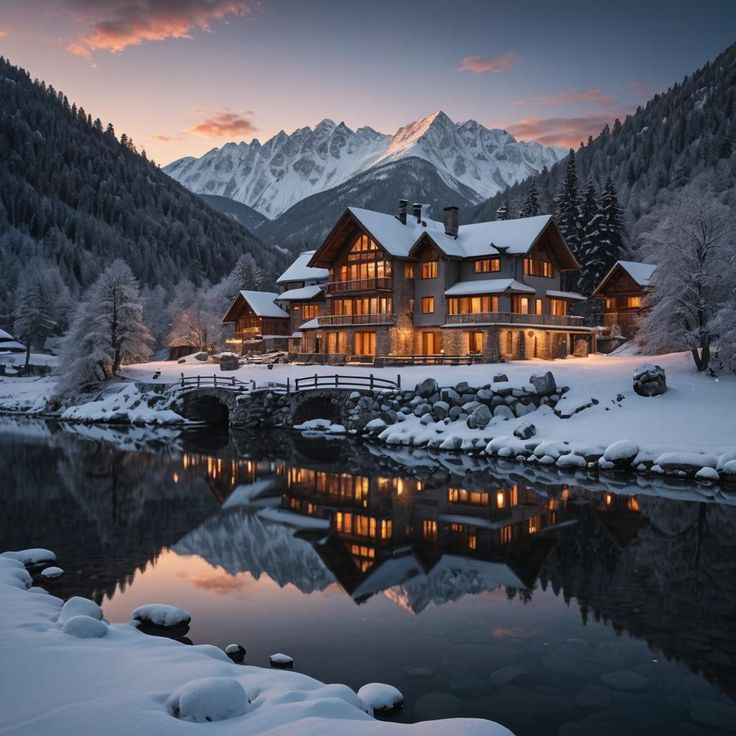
pixel 123 682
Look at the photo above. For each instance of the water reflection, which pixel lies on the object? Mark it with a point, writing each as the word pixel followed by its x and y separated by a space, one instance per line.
pixel 651 558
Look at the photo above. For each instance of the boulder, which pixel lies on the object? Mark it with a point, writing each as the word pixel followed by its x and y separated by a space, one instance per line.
pixel 236 652
pixel 421 409
pixel 426 388
pixel 650 380
pixel 479 418
pixel 383 699
pixel 426 418
pixel 500 378
pixel 463 387
pixel 485 395
pixel 525 431
pixel 160 619
pixel 207 700
pixel 503 412
pixel 455 413
pixel 85 627
pixel 229 363
pixel 451 396
pixel 440 409
pixel 545 385
pixel 281 661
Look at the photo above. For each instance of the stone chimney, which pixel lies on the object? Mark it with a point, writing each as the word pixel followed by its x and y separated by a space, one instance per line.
pixel 450 216
pixel 402 211
pixel 416 210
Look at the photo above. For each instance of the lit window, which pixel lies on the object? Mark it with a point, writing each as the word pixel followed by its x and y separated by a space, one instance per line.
pixel 558 307
pixel 500 499
pixel 309 311
pixel 427 305
pixel 534 267
pixel 633 302
pixel 487 265
pixel 430 269
pixel 429 529
pixel 521 304
pixel 475 342
pixel 408 270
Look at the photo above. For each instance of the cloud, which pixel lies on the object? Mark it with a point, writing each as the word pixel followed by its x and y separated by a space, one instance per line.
pixel 568 98
pixel 3 34
pixel 117 24
pixel 224 124
pixel 561 131
pixel 642 89
pixel 479 65
pixel 164 138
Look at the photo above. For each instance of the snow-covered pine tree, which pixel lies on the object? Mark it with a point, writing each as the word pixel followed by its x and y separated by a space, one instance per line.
pixel 33 315
pixel 612 225
pixel 589 254
pixel 567 210
pixel 693 246
pixel 107 331
pixel 530 208
pixel 247 275
pixel 503 212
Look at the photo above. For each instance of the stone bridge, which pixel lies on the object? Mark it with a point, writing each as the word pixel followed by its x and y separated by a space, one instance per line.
pixel 265 407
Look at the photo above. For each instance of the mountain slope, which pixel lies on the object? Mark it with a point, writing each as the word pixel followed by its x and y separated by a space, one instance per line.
pixel 273 176
pixel 241 213
pixel 306 223
pixel 75 197
pixel 685 133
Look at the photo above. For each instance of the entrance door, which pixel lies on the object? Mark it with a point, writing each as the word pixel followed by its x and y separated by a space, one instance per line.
pixel 365 343
pixel 475 342
pixel 318 344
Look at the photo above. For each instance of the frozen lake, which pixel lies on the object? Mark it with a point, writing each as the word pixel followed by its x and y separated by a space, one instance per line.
pixel 552 604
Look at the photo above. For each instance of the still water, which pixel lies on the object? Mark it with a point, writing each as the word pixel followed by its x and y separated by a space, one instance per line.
pixel 553 604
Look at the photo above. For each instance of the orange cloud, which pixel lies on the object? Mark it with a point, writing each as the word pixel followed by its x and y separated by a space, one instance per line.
pixel 3 34
pixel 567 98
pixel 118 24
pixel 224 124
pixel 479 65
pixel 561 131
pixel 164 138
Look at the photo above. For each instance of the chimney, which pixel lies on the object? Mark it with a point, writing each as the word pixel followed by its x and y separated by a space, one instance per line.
pixel 416 210
pixel 450 215
pixel 402 211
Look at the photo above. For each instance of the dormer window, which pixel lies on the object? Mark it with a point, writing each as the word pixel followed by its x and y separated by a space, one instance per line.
pixel 430 269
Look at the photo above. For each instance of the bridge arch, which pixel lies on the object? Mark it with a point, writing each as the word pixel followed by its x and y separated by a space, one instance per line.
pixel 213 406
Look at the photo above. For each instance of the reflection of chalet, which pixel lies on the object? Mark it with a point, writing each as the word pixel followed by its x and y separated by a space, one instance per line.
pixel 259 323
pixel 621 517
pixel 624 289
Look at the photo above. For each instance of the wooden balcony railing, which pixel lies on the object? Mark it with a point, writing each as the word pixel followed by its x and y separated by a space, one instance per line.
pixel 334 320
pixel 513 318
pixel 341 287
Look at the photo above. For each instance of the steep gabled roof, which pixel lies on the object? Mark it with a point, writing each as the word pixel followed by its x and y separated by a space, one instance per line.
pixel 640 273
pixel 489 286
pixel 475 240
pixel 261 302
pixel 300 271
pixel 303 294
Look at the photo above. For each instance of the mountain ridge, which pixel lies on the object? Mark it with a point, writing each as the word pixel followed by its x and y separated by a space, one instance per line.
pixel 275 175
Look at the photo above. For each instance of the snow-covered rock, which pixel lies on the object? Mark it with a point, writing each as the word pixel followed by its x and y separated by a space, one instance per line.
pixel 161 614
pixel 51 573
pixel 545 384
pixel 209 699
pixel 382 698
pixel 78 606
pixel 236 652
pixel 650 380
pixel 84 627
pixel 281 660
pixel 33 556
pixel 480 417
pixel 622 451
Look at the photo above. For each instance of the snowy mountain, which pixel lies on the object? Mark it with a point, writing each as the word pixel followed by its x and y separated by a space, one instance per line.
pixel 273 176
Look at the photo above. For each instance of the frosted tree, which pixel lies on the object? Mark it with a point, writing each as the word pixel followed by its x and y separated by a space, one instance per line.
pixel 612 224
pixel 196 317
pixel 246 275
pixel 107 331
pixel 504 211
pixel 531 207
pixel 694 248
pixel 34 315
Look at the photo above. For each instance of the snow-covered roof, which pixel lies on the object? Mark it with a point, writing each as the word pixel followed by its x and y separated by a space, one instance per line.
pixel 311 324
pixel 488 286
pixel 473 240
pixel 261 302
pixel 5 335
pixel 641 273
pixel 573 295
pixel 302 294
pixel 300 271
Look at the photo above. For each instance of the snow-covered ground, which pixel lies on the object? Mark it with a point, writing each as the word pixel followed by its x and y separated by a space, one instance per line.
pixel 66 671
pixel 698 412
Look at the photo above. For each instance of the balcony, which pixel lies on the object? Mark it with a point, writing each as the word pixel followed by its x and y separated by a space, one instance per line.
pixel 347 320
pixel 384 283
pixel 514 318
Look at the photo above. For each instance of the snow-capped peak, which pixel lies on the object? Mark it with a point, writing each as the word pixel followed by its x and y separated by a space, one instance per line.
pixel 272 176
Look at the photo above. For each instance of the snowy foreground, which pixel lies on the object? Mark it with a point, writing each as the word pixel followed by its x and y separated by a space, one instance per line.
pixel 697 414
pixel 66 671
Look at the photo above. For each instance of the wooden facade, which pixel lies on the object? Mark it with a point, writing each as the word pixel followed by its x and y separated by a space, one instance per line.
pixel 623 292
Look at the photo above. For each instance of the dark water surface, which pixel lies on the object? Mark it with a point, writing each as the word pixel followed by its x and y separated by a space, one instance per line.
pixel 553 604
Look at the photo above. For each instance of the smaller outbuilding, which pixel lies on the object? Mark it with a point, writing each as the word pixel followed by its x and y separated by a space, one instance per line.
pixel 260 325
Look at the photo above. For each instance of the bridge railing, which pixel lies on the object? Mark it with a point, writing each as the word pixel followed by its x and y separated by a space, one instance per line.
pixel 362 382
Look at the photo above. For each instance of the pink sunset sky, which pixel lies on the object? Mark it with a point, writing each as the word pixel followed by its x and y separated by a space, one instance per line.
pixel 183 76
